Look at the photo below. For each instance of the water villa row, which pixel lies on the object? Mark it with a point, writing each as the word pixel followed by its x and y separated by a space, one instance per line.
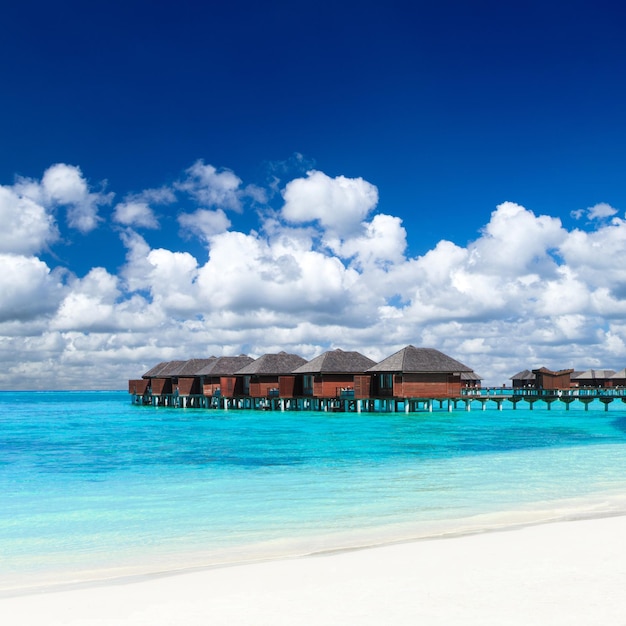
pixel 409 380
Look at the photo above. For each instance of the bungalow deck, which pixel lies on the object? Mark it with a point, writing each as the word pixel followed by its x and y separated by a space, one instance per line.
pixel 345 401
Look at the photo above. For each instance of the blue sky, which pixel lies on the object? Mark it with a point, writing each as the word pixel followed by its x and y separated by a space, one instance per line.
pixel 450 173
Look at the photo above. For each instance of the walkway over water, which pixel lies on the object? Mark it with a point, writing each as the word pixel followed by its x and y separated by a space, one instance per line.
pixel 489 397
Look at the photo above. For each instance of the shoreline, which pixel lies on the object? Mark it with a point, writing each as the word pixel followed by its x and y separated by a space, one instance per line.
pixel 562 572
pixel 394 535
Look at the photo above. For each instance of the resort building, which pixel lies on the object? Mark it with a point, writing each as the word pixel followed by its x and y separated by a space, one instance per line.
pixel 523 379
pixel 218 376
pixel 618 379
pixel 419 373
pixel 336 374
pixel 549 379
pixel 594 378
pixel 271 376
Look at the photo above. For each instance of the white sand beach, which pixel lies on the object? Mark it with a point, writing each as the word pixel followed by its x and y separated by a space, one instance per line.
pixel 566 573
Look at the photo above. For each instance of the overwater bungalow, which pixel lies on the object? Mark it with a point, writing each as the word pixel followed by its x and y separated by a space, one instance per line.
pixel 418 373
pixel 471 380
pixel 161 377
pixel 271 376
pixel 549 379
pixel 618 379
pixel 219 376
pixel 594 378
pixel 190 380
pixel 336 374
pixel 523 379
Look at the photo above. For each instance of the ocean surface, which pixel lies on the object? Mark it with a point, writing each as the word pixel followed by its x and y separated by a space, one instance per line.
pixel 93 487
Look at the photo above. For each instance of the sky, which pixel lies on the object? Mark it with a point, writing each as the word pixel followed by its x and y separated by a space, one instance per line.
pixel 181 180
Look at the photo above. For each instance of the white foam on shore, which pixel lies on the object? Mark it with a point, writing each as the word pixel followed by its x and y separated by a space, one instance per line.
pixel 564 573
pixel 597 506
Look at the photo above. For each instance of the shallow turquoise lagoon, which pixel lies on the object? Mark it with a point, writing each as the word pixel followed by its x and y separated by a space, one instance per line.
pixel 94 487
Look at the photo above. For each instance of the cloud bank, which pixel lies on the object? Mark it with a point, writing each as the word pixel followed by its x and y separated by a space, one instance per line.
pixel 317 267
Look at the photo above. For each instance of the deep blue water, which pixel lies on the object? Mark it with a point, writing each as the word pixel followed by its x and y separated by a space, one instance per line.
pixel 94 486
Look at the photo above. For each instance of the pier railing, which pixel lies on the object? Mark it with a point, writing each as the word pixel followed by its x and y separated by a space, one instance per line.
pixel 530 392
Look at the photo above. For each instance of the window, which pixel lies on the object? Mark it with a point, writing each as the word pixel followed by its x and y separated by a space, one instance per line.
pixel 307 385
pixel 386 381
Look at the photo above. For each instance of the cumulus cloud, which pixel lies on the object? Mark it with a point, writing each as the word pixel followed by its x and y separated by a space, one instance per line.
pixel 136 210
pixel 382 242
pixel 89 306
pixel 322 270
pixel 204 223
pixel 211 187
pixel 516 241
pixel 28 288
pixel 339 204
pixel 138 214
pixel 27 227
pixel 65 185
pixel 599 211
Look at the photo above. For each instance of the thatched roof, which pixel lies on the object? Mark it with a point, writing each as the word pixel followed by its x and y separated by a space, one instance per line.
pixel 165 369
pixel 193 366
pixel 545 370
pixel 594 375
pixel 272 365
pixel 336 362
pixel 225 365
pixel 524 375
pixel 470 376
pixel 419 360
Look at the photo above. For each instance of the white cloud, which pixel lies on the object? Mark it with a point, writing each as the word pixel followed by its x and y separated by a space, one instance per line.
pixel 26 226
pixel 516 241
pixel 204 223
pixel 135 213
pixel 339 204
pixel 90 303
pixel 28 288
pixel 212 188
pixel 381 242
pixel 136 209
pixel 65 185
pixel 599 211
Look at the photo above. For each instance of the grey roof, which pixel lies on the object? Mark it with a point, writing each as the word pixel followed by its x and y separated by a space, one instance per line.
pixel 225 365
pixel 153 371
pixel 524 375
pixel 620 374
pixel 273 364
pixel 470 376
pixel 595 375
pixel 336 362
pixel 165 369
pixel 193 366
pixel 419 360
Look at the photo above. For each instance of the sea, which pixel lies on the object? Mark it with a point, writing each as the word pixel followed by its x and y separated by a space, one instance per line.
pixel 94 488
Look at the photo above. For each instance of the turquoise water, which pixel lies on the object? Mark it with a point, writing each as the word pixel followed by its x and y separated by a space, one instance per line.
pixel 94 487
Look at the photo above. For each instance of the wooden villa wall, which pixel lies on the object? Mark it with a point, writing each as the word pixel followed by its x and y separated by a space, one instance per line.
pixel 189 386
pixel 615 382
pixel 231 386
pixel 553 381
pixel 138 387
pixel 161 386
pixel 290 386
pixel 329 385
pixel 260 386
pixel 439 385
pixel 362 386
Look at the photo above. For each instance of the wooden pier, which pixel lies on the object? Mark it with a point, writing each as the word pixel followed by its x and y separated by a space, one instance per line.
pixel 493 397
